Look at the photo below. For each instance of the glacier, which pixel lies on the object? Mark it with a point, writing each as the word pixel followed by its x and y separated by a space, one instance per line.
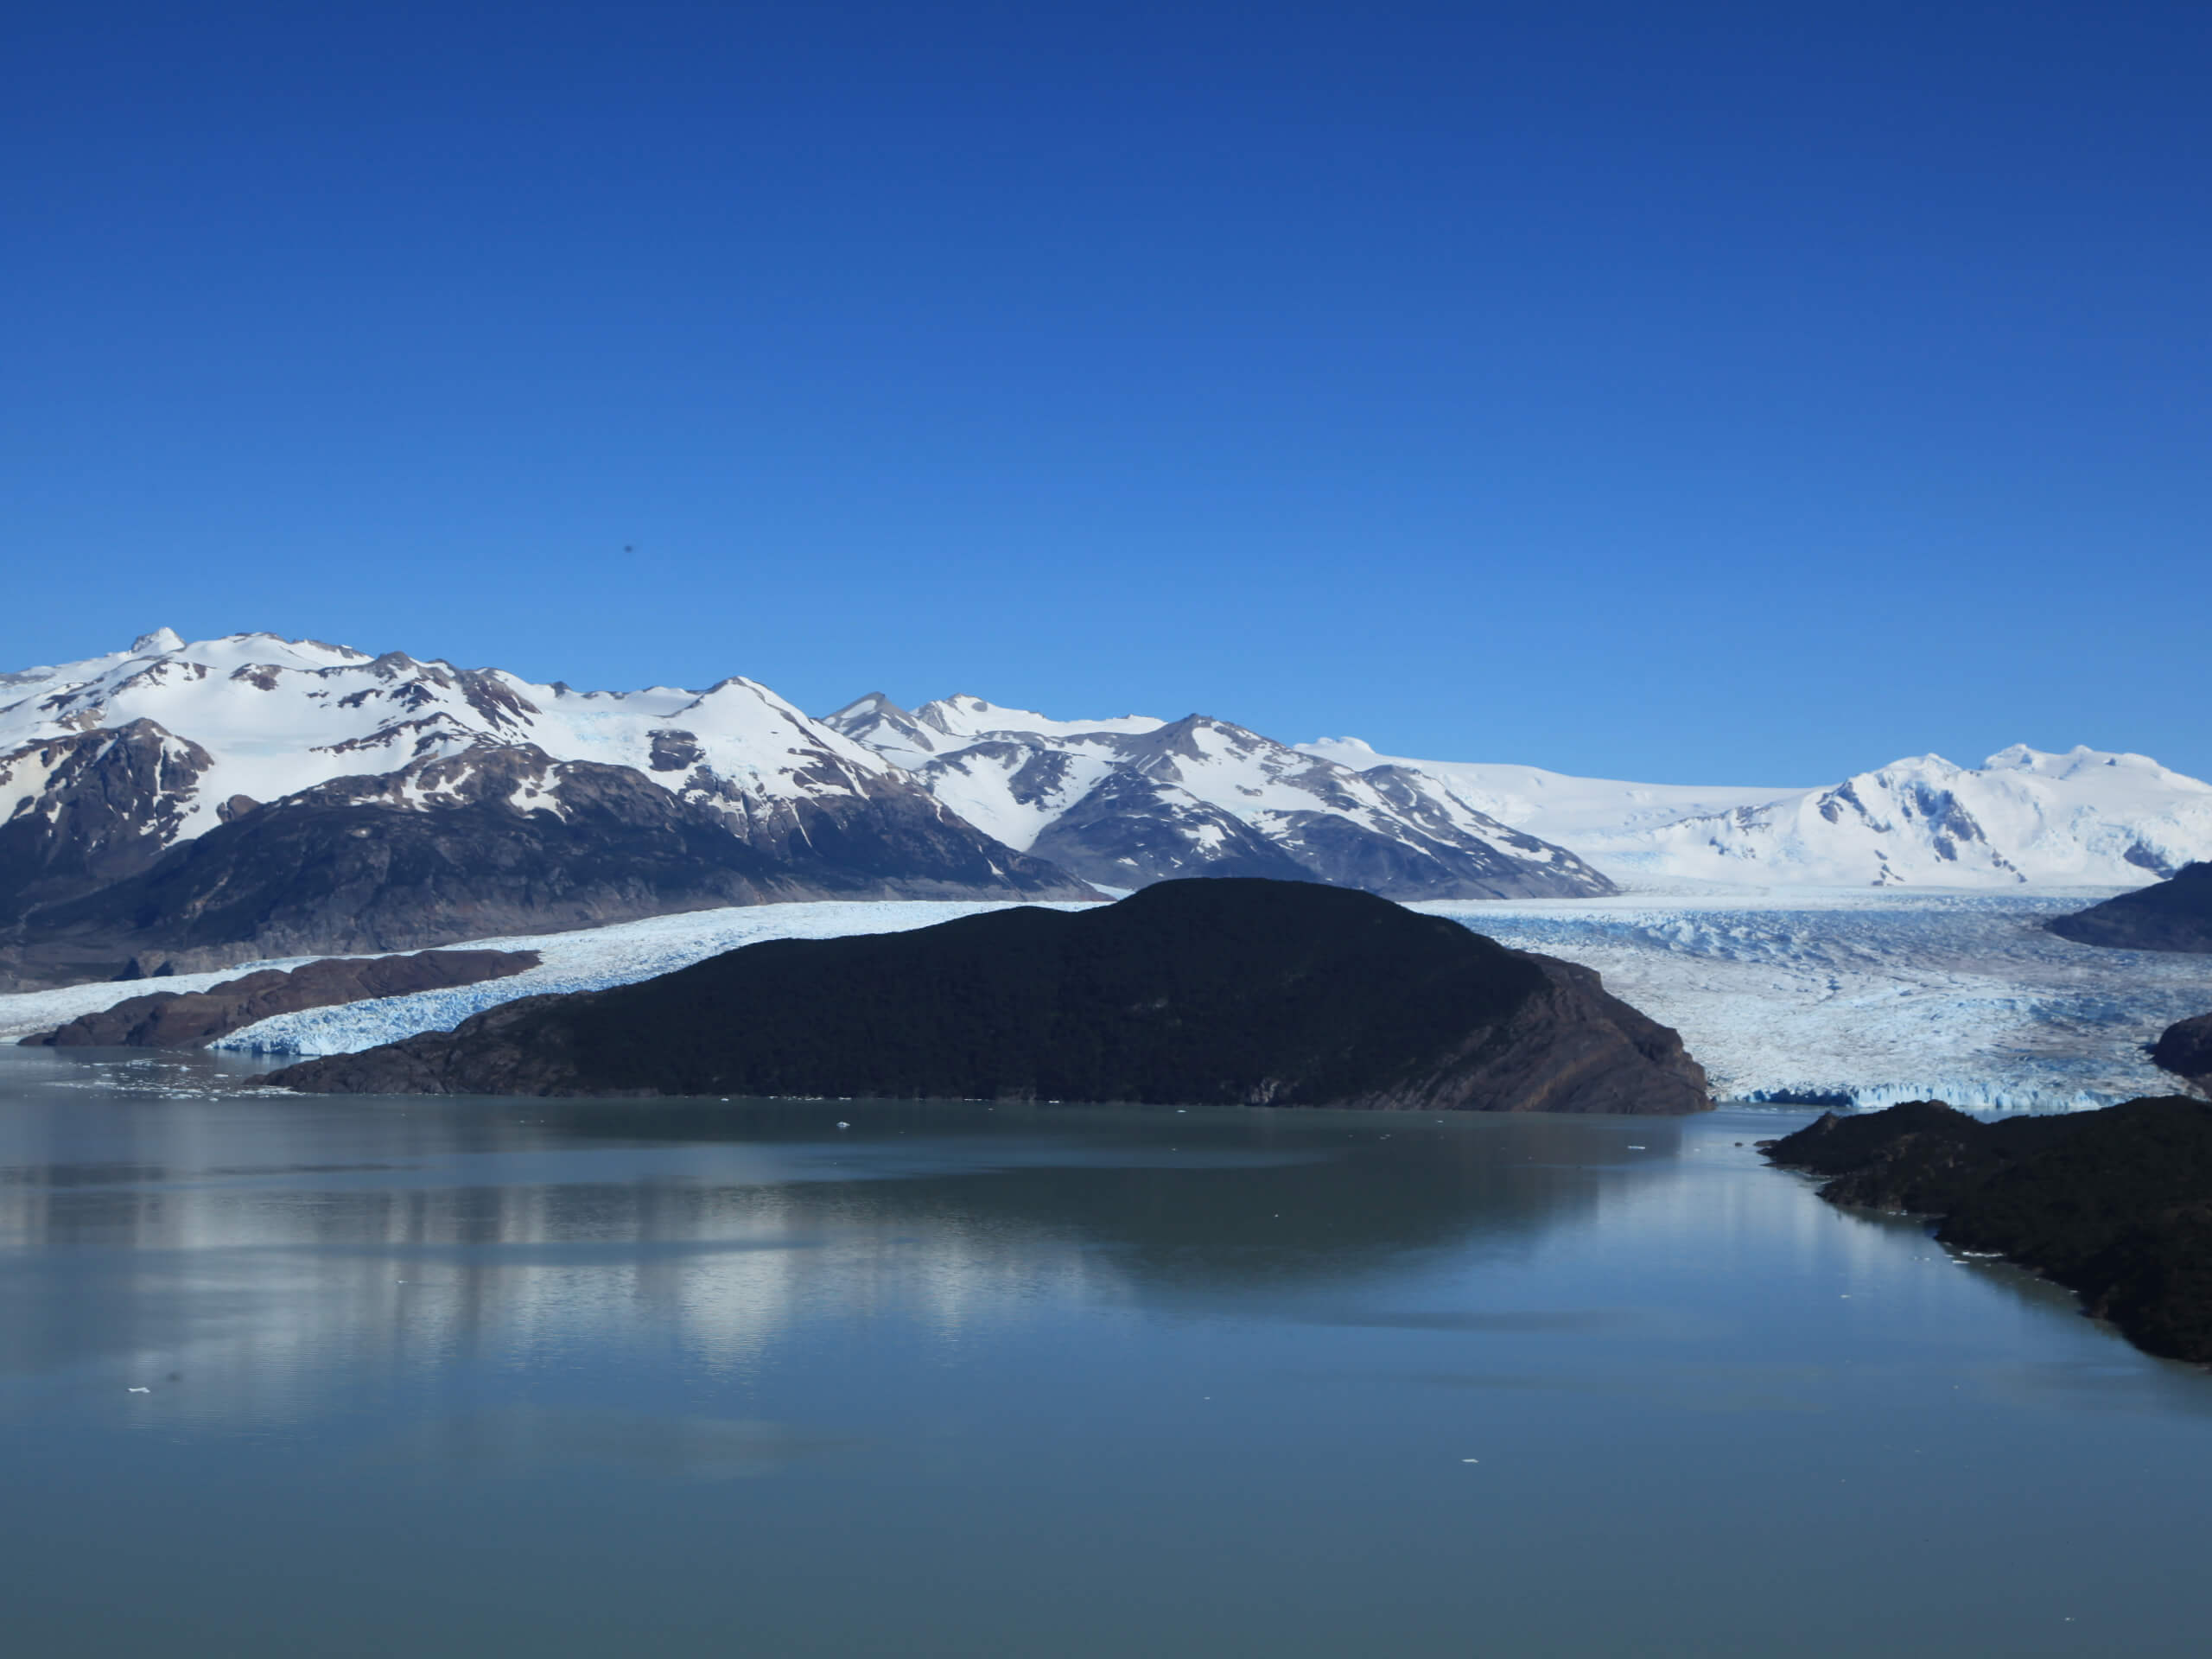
pixel 1866 998
pixel 588 959
pixel 1843 997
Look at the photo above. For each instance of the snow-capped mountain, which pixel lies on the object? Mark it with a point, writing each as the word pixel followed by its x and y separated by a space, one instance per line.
pixel 2084 819
pixel 250 794
pixel 199 804
pixel 1133 799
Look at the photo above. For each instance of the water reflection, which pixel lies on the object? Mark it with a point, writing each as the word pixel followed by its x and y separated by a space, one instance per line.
pixel 276 1251
pixel 457 1377
pixel 526 1437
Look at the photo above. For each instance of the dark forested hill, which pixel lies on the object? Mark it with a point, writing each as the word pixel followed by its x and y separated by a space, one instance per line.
pixel 1216 991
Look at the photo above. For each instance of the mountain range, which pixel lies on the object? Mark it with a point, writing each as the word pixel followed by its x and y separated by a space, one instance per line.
pixel 249 797
pixel 2087 817
pixel 1133 800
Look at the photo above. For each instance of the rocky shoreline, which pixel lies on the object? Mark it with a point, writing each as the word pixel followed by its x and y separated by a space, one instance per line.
pixel 2115 1205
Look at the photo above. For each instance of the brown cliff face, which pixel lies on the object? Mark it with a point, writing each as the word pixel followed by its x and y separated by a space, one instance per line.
pixel 1205 992
pixel 194 1019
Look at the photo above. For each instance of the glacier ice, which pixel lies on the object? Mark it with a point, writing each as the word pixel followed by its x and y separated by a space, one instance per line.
pixel 1862 996
pixel 587 960
pixel 1872 997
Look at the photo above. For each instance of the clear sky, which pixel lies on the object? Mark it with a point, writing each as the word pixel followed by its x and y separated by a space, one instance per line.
pixel 1698 392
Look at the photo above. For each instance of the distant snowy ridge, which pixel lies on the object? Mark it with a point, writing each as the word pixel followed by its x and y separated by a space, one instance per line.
pixel 270 718
pixel 252 797
pixel 2084 819
pixel 199 804
pixel 1131 799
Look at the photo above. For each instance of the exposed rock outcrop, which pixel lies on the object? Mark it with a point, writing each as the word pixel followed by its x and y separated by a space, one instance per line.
pixel 88 808
pixel 2185 1048
pixel 2115 1204
pixel 502 840
pixel 194 1019
pixel 251 797
pixel 1224 991
pixel 2173 915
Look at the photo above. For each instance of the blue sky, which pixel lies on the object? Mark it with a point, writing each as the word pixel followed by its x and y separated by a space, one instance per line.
pixel 1702 393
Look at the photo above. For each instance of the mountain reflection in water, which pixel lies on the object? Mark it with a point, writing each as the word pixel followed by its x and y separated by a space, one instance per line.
pixel 712 1227
pixel 574 1377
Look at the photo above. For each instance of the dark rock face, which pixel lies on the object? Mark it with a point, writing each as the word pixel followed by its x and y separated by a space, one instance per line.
pixel 108 802
pixel 2115 1204
pixel 501 840
pixel 1123 834
pixel 192 1019
pixel 1220 991
pixel 2173 915
pixel 1125 809
pixel 2185 1048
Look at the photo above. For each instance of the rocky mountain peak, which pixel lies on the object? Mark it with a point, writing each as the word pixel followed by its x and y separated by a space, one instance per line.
pixel 1134 799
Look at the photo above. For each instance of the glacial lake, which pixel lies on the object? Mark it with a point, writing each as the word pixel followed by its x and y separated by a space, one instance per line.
pixel 350 1376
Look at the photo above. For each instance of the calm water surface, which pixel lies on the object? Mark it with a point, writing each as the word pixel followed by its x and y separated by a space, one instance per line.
pixel 444 1378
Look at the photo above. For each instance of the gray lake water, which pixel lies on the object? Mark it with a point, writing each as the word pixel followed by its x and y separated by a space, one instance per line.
pixel 349 1376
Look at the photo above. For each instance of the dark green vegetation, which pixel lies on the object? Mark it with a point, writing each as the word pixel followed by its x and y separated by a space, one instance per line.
pixel 194 1019
pixel 2115 1204
pixel 1231 992
pixel 2175 914
pixel 2185 1048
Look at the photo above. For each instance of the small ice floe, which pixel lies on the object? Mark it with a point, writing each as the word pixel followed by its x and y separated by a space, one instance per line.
pixel 842 1124
pixel 1471 1460
pixel 141 1390
pixel 1638 1148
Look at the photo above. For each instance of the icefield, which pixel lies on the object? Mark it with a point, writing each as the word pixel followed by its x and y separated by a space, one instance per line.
pixel 1867 997
pixel 588 960
pixel 1875 996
